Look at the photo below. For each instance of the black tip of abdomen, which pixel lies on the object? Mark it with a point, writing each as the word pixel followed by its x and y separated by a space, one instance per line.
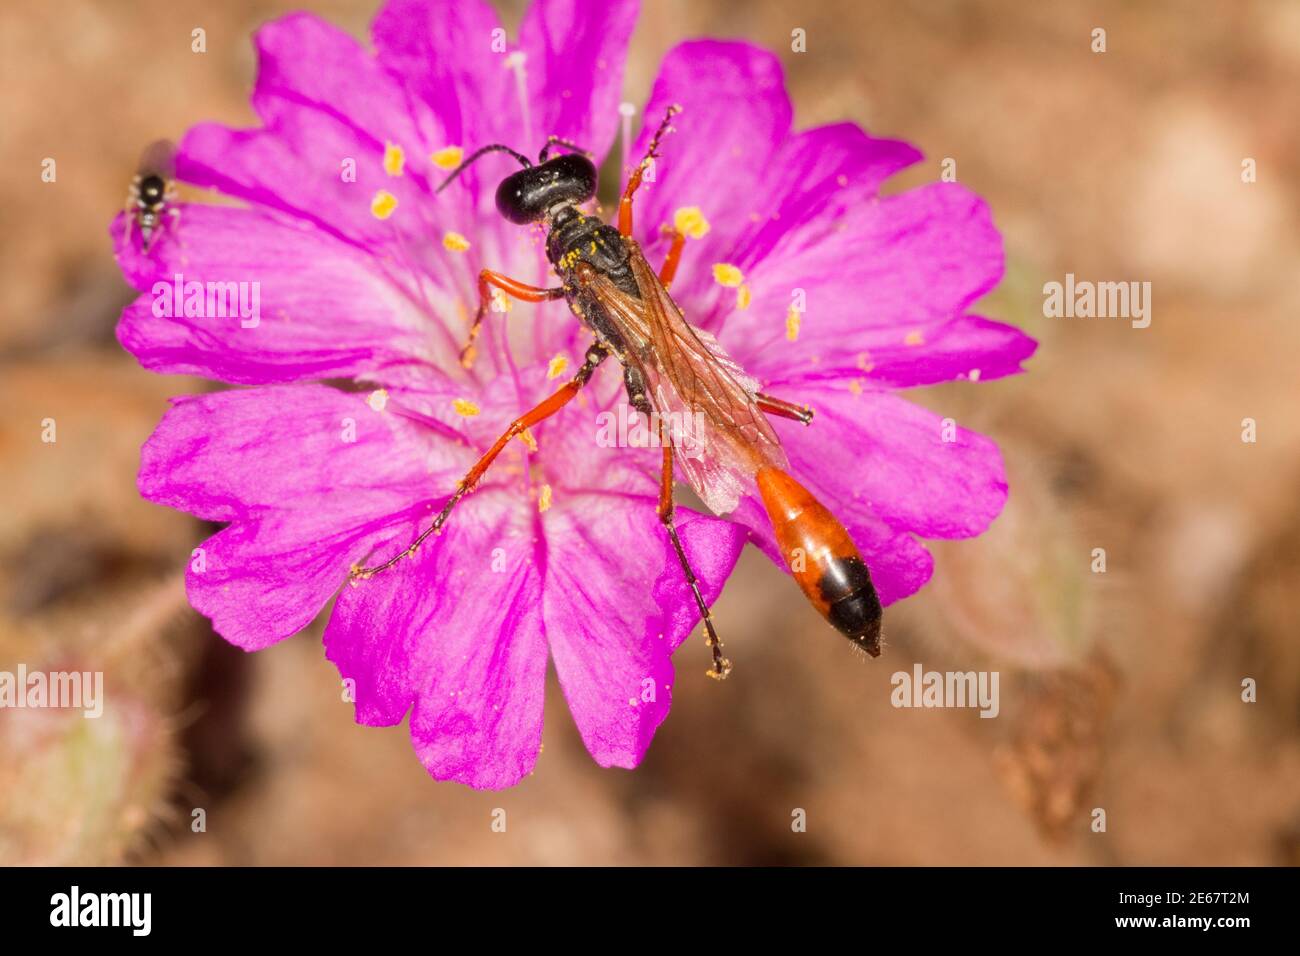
pixel 858 618
pixel 855 610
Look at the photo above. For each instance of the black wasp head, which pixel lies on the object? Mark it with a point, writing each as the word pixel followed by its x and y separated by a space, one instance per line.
pixel 525 196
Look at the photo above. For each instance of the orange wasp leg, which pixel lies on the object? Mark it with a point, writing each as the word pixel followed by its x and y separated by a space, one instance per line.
pixel 595 355
pixel 674 257
pixel 634 181
pixel 775 406
pixel 511 287
pixel 721 666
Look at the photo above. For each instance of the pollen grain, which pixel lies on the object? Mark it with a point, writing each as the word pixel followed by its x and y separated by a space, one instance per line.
pixel 383 205
pixel 394 159
pixel 448 157
pixel 690 222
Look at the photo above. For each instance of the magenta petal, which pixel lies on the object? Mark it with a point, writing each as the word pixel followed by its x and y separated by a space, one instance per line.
pixel 816 180
pixel 442 51
pixel 264 580
pixel 316 308
pixel 818 177
pixel 616 606
pixel 970 347
pixel 278 168
pixel 883 277
pixel 575 54
pixel 328 107
pixel 457 630
pixel 304 61
pixel 879 454
pixel 239 454
pixel 312 477
pixel 735 114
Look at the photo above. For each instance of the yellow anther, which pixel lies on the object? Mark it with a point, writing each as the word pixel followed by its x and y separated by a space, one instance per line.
pixel 454 242
pixel 913 338
pixel 378 399
pixel 544 498
pixel 465 407
pixel 448 157
pixel 526 436
pixel 383 205
pixel 792 322
pixel 557 366
pixel 690 222
pixel 724 273
pixel 743 297
pixel 394 159
pixel 855 387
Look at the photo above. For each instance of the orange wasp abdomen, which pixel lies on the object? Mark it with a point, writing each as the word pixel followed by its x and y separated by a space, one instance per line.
pixel 823 558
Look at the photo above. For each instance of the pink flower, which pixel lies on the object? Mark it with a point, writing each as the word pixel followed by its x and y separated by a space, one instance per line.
pixel 358 283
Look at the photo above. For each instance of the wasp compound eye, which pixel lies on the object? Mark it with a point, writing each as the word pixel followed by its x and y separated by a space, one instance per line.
pixel 525 196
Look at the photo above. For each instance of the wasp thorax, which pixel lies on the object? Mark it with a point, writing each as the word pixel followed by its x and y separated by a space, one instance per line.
pixel 152 189
pixel 526 196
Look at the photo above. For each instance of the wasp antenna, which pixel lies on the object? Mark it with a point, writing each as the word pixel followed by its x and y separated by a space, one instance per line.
pixel 493 148
pixel 552 141
pixel 665 127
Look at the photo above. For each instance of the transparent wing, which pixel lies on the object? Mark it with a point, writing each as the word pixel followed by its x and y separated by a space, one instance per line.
pixel 705 400
pixel 158 157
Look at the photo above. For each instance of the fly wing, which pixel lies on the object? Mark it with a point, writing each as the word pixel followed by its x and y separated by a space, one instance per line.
pixel 159 157
pixel 705 400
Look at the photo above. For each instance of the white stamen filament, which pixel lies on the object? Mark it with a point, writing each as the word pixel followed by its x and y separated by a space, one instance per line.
pixel 626 111
pixel 515 62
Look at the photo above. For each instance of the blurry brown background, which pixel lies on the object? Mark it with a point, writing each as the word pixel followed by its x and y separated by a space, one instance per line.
pixel 1119 690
